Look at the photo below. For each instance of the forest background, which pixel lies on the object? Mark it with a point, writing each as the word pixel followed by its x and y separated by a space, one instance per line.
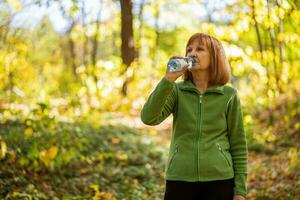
pixel 75 74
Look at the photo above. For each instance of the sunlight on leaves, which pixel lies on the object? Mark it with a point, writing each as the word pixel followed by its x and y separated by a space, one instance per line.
pixel 28 132
pixel 265 136
pixel 14 4
pixel 122 156
pixel 294 157
pixel 3 149
pixel 48 155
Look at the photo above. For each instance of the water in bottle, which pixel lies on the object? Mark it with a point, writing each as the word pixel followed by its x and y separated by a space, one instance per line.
pixel 178 63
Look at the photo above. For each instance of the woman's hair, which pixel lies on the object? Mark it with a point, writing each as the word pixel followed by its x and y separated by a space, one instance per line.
pixel 220 72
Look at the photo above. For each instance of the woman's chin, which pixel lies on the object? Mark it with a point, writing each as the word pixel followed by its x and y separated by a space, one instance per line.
pixel 194 68
pixel 198 68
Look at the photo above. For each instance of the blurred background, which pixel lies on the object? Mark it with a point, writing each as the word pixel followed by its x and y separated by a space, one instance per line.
pixel 74 75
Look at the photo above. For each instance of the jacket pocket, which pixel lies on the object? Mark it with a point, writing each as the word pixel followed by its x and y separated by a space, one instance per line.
pixel 223 154
pixel 173 155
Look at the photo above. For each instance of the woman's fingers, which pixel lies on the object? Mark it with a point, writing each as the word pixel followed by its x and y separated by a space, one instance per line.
pixel 184 68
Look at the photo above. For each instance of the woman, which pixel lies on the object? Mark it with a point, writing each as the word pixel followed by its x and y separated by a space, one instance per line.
pixel 208 154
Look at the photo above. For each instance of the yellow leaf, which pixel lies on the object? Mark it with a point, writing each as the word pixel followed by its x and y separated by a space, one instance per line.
pixel 28 132
pixel 43 157
pixel 115 140
pixel 97 192
pixel 47 155
pixel 3 150
pixel 12 156
pixel 101 156
pixel 107 196
pixel 52 152
pixel 122 156
pixel 135 183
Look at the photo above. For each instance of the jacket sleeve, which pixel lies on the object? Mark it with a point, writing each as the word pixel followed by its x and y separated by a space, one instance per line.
pixel 238 144
pixel 160 104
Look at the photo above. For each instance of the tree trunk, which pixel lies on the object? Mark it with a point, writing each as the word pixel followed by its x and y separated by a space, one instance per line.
pixel 96 36
pixel 281 43
pixel 273 46
pixel 140 28
pixel 127 47
pixel 253 13
pixel 261 49
pixel 157 34
pixel 86 38
pixel 72 56
pixel 70 43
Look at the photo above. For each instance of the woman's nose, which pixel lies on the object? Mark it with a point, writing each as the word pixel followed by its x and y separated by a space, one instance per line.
pixel 191 55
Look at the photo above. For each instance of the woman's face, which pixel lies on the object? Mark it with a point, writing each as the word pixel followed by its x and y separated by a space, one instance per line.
pixel 200 53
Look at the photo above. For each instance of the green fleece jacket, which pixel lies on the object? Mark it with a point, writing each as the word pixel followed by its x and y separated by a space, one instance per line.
pixel 208 139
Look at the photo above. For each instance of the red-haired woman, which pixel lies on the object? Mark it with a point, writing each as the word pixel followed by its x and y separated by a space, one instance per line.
pixel 208 154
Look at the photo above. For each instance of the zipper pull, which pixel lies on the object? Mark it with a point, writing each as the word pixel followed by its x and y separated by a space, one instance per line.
pixel 200 98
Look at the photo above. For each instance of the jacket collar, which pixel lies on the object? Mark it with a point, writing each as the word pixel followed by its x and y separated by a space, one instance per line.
pixel 189 86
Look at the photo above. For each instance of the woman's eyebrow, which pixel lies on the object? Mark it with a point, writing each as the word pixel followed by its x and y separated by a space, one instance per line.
pixel 190 47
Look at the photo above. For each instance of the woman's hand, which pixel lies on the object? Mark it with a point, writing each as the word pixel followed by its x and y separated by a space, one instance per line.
pixel 238 197
pixel 174 75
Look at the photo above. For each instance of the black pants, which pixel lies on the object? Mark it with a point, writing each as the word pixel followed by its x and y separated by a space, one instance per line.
pixel 211 190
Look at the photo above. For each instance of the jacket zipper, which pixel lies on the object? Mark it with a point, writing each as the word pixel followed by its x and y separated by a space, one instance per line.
pixel 199 135
pixel 220 149
pixel 173 155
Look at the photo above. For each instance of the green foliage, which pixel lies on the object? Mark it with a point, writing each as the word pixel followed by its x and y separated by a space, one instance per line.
pixel 53 96
pixel 118 159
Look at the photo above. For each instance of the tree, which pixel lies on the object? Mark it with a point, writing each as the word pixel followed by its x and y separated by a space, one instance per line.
pixel 127 47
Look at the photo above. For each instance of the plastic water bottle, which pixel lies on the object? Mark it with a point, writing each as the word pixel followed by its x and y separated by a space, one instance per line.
pixel 178 63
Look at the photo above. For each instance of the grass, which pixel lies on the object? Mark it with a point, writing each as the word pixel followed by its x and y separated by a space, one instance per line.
pixel 51 159
pixel 114 161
